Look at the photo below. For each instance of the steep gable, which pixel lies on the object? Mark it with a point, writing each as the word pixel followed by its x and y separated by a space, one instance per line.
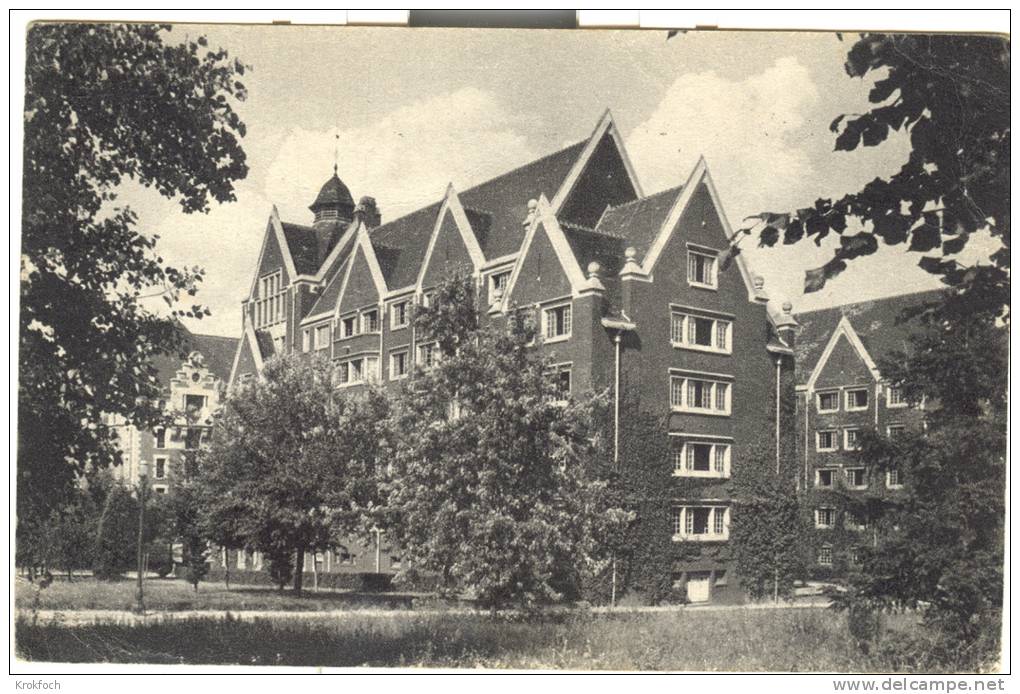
pixel 449 254
pixel 326 302
pixel 844 366
pixel 271 259
pixel 603 182
pixel 546 262
pixel 359 288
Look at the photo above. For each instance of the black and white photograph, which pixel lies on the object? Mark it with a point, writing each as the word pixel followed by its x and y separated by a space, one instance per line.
pixel 384 349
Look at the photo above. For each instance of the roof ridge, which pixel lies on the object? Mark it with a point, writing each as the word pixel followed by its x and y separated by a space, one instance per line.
pixel 870 301
pixel 644 199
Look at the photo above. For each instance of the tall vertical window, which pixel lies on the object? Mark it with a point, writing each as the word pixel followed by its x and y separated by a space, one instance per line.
pixel 692 331
pixel 894 397
pixel 701 270
pixel 559 379
pixel 269 308
pixel 428 355
pixel 894 478
pixel 399 315
pixel 160 437
pixel 322 335
pixel 370 321
pixel 160 471
pixel 398 364
pixel 692 394
pixel 557 322
pixel 497 284
pixel 851 439
pixel 825 555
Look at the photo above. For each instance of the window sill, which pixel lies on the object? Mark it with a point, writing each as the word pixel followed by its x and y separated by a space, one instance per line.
pixel 399 327
pixel 823 527
pixel 700 348
pixel 857 488
pixel 858 409
pixel 701 538
pixel 827 450
pixel 702 475
pixel 688 410
pixel 400 377
pixel 894 486
pixel 701 285
pixel 553 340
pixel 897 406
pixel 828 411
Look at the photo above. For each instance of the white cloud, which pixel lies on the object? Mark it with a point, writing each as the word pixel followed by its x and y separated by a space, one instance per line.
pixel 404 160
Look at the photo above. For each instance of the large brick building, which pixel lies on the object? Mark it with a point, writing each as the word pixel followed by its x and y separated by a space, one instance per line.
pixel 638 294
pixel 840 394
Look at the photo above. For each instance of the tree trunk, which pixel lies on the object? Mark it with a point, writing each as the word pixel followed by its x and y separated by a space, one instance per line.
pixel 299 570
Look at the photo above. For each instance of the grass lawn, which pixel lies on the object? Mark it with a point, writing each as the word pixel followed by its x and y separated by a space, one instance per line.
pixel 169 594
pixel 738 640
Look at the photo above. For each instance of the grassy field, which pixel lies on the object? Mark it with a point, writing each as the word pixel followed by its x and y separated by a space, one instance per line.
pixel 739 640
pixel 168 594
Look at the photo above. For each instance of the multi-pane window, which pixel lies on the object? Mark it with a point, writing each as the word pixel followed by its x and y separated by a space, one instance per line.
pixel 691 394
pixel 370 321
pixel 828 402
pixel 825 517
pixel 559 379
pixel 497 285
pixel 855 478
pixel 399 315
pixel 354 371
pixel 322 333
pixel 855 556
pixel 701 269
pixel 398 364
pixel 894 431
pixel 269 306
pixel 894 397
pixel 160 438
pixel 827 440
pixel 856 521
pixel 825 555
pixel 700 523
pixel 557 322
pixel 160 471
pixel 851 439
pixel 894 478
pixel 698 332
pixel 692 458
pixel 349 326
pixel 428 355
pixel 857 399
pixel 824 477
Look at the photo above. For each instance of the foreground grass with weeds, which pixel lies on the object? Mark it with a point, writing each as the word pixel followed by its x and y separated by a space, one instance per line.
pixel 739 640
pixel 169 594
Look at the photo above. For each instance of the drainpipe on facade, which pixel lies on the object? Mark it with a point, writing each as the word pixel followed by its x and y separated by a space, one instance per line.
pixel 779 362
pixel 616 410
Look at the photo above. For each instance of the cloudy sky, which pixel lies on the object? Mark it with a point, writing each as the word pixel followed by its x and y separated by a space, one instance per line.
pixel 417 109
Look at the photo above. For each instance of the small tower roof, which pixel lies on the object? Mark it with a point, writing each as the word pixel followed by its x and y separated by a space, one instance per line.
pixel 334 193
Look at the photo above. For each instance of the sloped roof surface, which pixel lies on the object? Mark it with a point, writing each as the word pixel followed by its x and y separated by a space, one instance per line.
pixel 333 192
pixel 304 247
pixel 218 352
pixel 878 323
pixel 639 221
pixel 331 293
pixel 400 245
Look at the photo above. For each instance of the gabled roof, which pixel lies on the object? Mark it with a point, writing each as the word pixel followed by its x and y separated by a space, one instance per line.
pixel 876 323
pixel 303 244
pixel 327 300
pixel 639 221
pixel 217 351
pixel 400 245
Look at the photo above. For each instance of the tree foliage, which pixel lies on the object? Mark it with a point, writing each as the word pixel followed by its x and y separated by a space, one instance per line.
pixel 951 94
pixel 189 528
pixel 106 103
pixel 494 486
pixel 943 548
pixel 291 467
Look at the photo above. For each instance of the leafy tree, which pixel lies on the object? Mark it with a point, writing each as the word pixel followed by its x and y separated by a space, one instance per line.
pixel 116 538
pixel 494 485
pixel 951 94
pixel 189 529
pixel 70 534
pixel 943 549
pixel 105 103
pixel 292 463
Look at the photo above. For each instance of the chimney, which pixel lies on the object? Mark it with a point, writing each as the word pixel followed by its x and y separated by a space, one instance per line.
pixel 368 212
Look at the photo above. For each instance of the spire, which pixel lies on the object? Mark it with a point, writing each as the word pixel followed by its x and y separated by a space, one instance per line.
pixel 334 202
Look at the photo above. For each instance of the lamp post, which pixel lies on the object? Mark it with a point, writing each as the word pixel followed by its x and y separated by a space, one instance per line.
pixel 378 545
pixel 143 479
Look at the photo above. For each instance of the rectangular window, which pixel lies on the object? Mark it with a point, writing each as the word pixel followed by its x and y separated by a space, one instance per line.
pixel 857 399
pixel 160 438
pixel 693 458
pixel 825 555
pixel 855 521
pixel 428 298
pixel 895 431
pixel 827 440
pixel 269 305
pixel 322 334
pixel 342 374
pixel 557 322
pixel 825 517
pixel 306 340
pixel 700 523
pixel 855 478
pixel 160 471
pixel 349 326
pixel 497 285
pixel 701 269
pixel 559 379
pixel 193 438
pixel 851 439
pixel 894 478
pixel 399 315
pixel 855 556
pixel 193 404
pixel 689 394
pixel 697 332
pixel 894 397
pixel 370 321
pixel 824 478
pixel 427 355
pixel 398 364
pixel 828 402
